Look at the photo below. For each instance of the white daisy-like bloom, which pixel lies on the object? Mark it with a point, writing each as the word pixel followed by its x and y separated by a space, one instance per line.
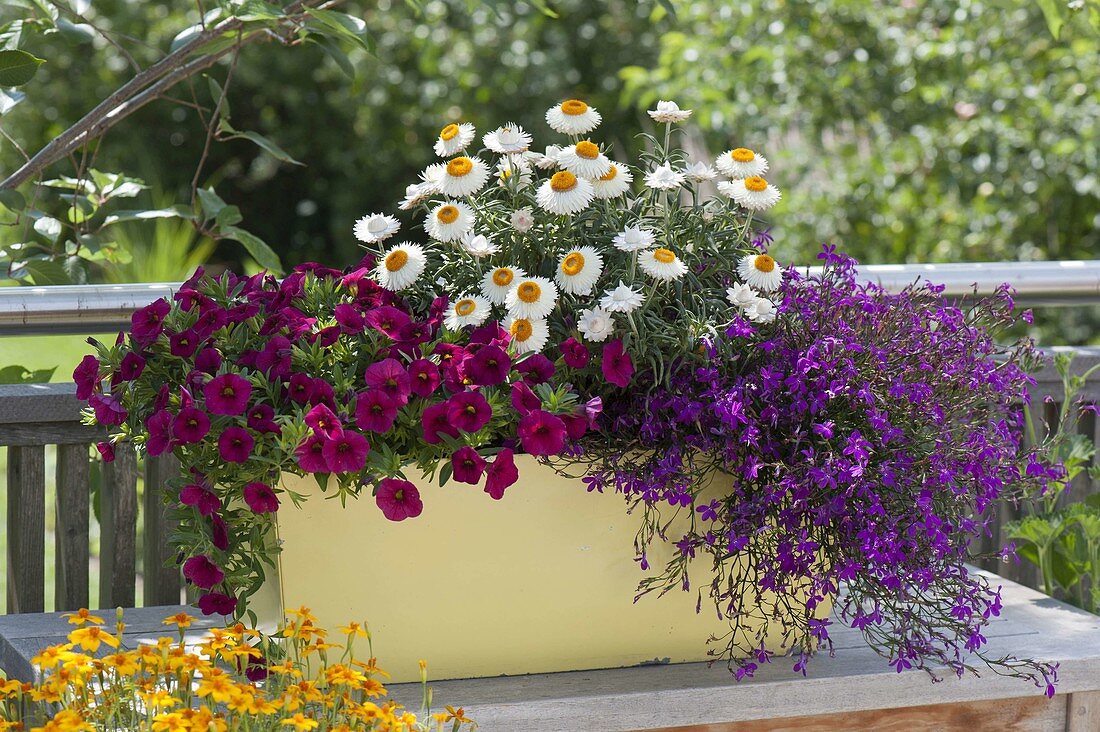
pixel 614 183
pixel 669 112
pixel 523 219
pixel 755 193
pixel 375 227
pixel 497 282
pixel 662 264
pixel 623 299
pixel 528 335
pixel 532 298
pixel 700 172
pixel 595 325
pixel 664 178
pixel 454 138
pixel 514 170
pixel 633 238
pixel 741 295
pixel 478 245
pixel 415 194
pixel 578 270
pixel 584 159
pixel 546 160
pixel 431 176
pixel 741 162
pixel 565 193
pixel 401 266
pixel 761 310
pixel 449 221
pixel 573 117
pixel 467 310
pixel 508 139
pixel 463 176
pixel 760 271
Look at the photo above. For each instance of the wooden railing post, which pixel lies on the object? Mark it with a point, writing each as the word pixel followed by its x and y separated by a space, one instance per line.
pixel 71 528
pixel 118 508
pixel 162 576
pixel 26 529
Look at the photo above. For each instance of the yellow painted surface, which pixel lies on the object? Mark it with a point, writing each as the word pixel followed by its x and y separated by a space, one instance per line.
pixel 543 580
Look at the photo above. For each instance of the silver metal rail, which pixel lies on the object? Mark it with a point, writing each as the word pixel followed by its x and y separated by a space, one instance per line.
pixel 83 309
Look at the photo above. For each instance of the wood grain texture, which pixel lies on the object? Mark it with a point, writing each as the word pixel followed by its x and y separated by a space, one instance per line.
pixel 1083 712
pixel 26 529
pixel 161 574
pixel 118 515
pixel 49 433
pixel 71 528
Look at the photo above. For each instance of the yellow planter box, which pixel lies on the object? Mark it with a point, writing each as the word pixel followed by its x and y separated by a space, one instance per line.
pixel 543 580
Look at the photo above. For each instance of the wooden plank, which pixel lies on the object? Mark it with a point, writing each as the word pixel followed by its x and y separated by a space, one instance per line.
pixel 118 511
pixel 1083 712
pixel 161 575
pixel 71 528
pixel 28 434
pixel 26 529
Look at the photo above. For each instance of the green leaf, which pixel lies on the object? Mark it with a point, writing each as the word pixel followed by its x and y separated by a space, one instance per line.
pixel 12 200
pixel 256 247
pixel 119 217
pixel 23 375
pixel 80 210
pixel 9 99
pixel 216 93
pixel 10 35
pixel 342 25
pixel 267 145
pixel 228 216
pixel 48 227
pixel 544 7
pixel 47 272
pixel 1052 12
pixel 334 52
pixel 669 7
pixel 18 67
pixel 76 32
pixel 211 202
pixel 184 37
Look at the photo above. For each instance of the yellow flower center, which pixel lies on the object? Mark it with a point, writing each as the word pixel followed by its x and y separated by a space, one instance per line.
pixel 465 307
pixel 610 174
pixel 396 259
pixel 763 263
pixel 573 107
pixel 521 329
pixel 506 174
pixel 573 263
pixel 587 150
pixel 529 292
pixel 449 132
pixel 756 184
pixel 743 155
pixel 664 256
pixel 459 167
pixel 448 214
pixel 502 276
pixel 563 181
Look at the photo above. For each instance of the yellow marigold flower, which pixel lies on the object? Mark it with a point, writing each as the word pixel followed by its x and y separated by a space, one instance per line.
pixel 124 664
pixel 171 722
pixel 369 712
pixel 340 675
pixel 10 687
pixel 286 668
pixel 67 720
pixel 372 687
pixel 318 645
pixel 159 699
pixel 355 629
pixel 49 691
pixel 83 616
pixel 49 657
pixel 180 620
pixel 304 613
pixel 91 637
pixel 217 685
pixel 457 715
pixel 371 667
pixel 300 722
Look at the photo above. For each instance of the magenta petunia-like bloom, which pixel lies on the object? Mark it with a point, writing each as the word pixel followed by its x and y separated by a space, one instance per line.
pixel 183 344
pixel 346 452
pixel 398 499
pixel 575 426
pixel 274 360
pixel 469 411
pixel 300 389
pixel 436 421
pixel 523 399
pixel 542 433
pixel 375 411
pixel 108 409
pixel 215 603
pixel 617 366
pixel 424 377
pixel 201 571
pixel 349 318
pixel 106 451
pixel 388 320
pixel 190 425
pixel 86 377
pixel 467 465
pixel 219 532
pixel 200 497
pixel 208 360
pixel 389 377
pixel 148 322
pixel 574 353
pixel 489 366
pixel 235 445
pixel 261 498
pixel 227 394
pixel 261 418
pixel 324 422
pixel 501 474
pixel 311 455
pixel 536 369
pixel 159 426
pixel 131 367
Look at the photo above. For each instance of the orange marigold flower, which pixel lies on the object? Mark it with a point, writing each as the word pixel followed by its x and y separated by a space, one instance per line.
pixel 300 722
pixel 91 637
pixel 458 715
pixel 355 629
pixel 180 620
pixel 83 616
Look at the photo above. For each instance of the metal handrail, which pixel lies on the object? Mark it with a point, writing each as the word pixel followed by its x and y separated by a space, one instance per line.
pixel 82 309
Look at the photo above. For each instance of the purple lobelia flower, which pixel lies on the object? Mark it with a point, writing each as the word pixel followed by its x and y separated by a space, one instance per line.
pixel 227 394
pixel 467 465
pixel 469 411
pixel 235 445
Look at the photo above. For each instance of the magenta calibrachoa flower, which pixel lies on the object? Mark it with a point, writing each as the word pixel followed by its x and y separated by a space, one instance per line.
pixel 398 499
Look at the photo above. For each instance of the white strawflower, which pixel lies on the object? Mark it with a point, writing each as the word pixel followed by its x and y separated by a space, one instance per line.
pixel 741 162
pixel 584 159
pixel 633 238
pixel 523 219
pixel 463 176
pixel 596 325
pixel 375 227
pixel 528 335
pixel 532 298
pixel 478 245
pixel 514 170
pixel 578 270
pixel 622 299
pixel 449 221
pixel 565 193
pixel 467 310
pixel 760 271
pixel 614 183
pixel 741 295
pixel 755 194
pixel 497 282
pixel 700 172
pixel 401 266
pixel 415 194
pixel 573 117
pixel 662 264
pixel 669 112
pixel 546 160
pixel 664 178
pixel 454 138
pixel 510 138
pixel 761 310
pixel 431 176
